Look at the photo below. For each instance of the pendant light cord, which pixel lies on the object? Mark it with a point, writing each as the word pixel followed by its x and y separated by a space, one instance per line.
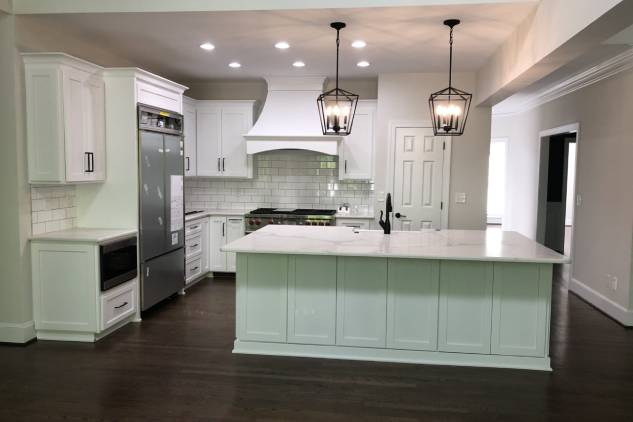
pixel 450 61
pixel 338 41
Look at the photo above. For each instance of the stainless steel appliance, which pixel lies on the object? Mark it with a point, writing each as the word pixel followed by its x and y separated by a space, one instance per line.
pixel 161 168
pixel 117 262
pixel 262 217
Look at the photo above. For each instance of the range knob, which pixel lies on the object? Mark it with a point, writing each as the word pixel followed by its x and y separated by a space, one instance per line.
pixel 258 222
pixel 271 221
pixel 251 222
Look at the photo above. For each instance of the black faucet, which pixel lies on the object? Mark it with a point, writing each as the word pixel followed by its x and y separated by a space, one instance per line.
pixel 386 225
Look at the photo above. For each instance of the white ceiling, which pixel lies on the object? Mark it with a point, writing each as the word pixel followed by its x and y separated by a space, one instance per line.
pixel 400 39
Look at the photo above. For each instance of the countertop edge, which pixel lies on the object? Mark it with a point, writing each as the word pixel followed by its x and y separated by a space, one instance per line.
pixel 65 236
pixel 400 256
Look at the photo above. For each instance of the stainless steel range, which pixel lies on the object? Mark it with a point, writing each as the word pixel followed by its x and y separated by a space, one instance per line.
pixel 262 217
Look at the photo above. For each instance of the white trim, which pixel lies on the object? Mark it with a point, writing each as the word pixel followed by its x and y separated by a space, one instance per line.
pixel 614 310
pixel 446 171
pixel 17 332
pixel 569 128
pixel 391 355
pixel 611 67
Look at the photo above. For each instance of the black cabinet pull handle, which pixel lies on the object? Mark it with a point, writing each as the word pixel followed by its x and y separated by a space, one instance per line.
pixel 194 268
pixel 398 215
pixel 345 166
pixel 195 246
pixel 121 305
pixel 223 164
pixel 218 163
pixel 188 164
pixel 223 224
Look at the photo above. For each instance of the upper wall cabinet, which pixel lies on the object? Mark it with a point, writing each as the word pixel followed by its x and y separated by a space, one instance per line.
pixel 65 114
pixel 221 147
pixel 356 153
pixel 189 113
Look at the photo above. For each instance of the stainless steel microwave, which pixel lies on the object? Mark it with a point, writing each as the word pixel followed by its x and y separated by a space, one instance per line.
pixel 118 262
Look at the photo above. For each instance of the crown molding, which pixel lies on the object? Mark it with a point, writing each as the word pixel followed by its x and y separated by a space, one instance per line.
pixel 611 67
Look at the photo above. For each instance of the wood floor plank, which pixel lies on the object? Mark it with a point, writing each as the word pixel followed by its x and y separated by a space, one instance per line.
pixel 178 365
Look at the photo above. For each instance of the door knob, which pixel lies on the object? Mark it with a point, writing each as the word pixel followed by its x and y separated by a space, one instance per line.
pixel 398 215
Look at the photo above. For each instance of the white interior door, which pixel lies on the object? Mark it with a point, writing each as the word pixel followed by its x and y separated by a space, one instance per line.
pixel 418 178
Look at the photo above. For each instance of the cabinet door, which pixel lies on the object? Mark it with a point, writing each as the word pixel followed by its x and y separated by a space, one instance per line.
pixel 218 239
pixel 520 309
pixel 312 299
pixel 205 239
pixel 94 118
pixel 357 149
pixel 465 307
pixel 189 113
pixel 412 304
pixel 262 297
pixel 209 133
pixel 361 302
pixel 234 230
pixel 235 123
pixel 75 130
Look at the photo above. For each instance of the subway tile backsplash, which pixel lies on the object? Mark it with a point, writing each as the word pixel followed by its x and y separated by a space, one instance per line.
pixel 287 179
pixel 52 208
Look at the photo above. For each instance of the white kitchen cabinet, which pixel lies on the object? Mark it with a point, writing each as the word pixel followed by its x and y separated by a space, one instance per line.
pixel 197 249
pixel 68 303
pixel 357 223
pixel 65 107
pixel 361 302
pixel 190 131
pixel 356 153
pixel 222 231
pixel 221 147
pixel 312 299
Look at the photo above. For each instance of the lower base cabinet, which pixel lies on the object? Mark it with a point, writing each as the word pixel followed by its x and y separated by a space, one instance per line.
pixel 448 312
pixel 67 300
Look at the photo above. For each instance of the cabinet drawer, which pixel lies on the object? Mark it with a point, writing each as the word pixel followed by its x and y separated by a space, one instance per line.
pixel 193 270
pixel 355 223
pixel 118 304
pixel 193 246
pixel 193 228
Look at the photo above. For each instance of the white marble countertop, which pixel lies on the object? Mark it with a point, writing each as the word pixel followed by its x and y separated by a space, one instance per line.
pixel 206 213
pixel 85 235
pixel 470 245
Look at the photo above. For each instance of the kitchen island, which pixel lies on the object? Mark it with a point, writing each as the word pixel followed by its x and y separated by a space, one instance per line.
pixel 452 297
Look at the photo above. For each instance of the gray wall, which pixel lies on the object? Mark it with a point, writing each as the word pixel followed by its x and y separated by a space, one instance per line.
pixel 604 221
pixel 405 97
pixel 15 277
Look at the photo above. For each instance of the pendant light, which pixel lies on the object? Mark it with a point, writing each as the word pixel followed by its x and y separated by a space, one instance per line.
pixel 450 106
pixel 337 106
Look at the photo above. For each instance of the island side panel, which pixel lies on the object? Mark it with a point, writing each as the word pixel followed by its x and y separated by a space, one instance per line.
pixel 361 297
pixel 412 304
pixel 312 299
pixel 465 309
pixel 520 310
pixel 261 297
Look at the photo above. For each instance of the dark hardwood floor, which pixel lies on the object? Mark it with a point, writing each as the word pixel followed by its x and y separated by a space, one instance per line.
pixel 177 365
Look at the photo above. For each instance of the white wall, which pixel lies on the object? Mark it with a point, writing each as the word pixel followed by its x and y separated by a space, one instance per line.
pixel 16 323
pixel 604 221
pixel 405 97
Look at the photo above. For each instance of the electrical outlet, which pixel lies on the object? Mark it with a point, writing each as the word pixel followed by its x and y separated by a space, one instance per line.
pixel 578 200
pixel 460 197
pixel 614 283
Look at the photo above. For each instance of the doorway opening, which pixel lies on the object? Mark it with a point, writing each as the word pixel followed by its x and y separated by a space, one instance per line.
pixel 496 182
pixel 556 194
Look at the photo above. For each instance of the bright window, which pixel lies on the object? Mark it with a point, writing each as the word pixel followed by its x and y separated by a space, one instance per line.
pixel 496 181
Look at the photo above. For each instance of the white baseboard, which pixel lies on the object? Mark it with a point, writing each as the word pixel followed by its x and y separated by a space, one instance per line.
pixel 606 305
pixel 17 332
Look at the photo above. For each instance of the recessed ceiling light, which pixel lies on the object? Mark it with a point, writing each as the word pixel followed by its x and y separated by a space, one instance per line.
pixel 235 65
pixel 282 45
pixel 359 44
pixel 207 46
pixel 299 64
pixel 363 63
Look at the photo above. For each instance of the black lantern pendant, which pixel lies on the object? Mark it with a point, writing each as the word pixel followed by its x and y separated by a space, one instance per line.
pixel 337 106
pixel 450 106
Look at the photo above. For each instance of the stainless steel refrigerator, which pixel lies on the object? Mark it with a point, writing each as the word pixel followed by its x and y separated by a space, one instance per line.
pixel 161 234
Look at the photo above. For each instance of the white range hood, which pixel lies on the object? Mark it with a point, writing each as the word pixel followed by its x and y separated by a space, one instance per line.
pixel 290 118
